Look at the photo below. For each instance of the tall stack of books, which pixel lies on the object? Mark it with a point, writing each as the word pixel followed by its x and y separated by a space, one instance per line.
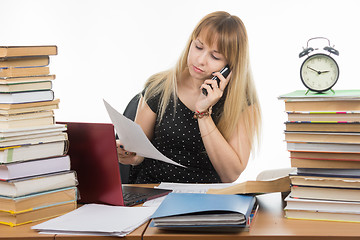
pixel 36 182
pixel 323 137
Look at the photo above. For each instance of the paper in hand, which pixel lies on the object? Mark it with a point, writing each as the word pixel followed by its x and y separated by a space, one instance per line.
pixel 133 137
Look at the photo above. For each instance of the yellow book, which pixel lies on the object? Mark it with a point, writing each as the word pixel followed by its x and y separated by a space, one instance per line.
pixel 34 201
pixel 36 214
pixel 22 51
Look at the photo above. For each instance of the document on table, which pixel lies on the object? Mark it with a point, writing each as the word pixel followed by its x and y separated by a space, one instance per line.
pixel 99 220
pixel 192 187
pixel 133 137
pixel 185 188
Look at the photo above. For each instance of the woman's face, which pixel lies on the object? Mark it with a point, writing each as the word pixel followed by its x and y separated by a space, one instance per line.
pixel 203 60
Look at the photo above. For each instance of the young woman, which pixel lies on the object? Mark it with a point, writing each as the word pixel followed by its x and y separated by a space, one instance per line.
pixel 213 135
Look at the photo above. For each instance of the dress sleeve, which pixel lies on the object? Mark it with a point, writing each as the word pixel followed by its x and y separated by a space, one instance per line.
pixel 152 102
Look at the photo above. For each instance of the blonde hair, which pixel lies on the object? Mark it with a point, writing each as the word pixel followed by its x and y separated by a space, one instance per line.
pixel 232 41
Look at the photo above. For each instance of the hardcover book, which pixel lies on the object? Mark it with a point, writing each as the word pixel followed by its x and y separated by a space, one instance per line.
pixel 37 200
pixel 40 61
pixel 26 97
pixel 16 219
pixel 36 184
pixel 34 167
pixel 20 51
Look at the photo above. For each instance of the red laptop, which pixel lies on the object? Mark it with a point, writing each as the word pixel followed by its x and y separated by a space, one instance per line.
pixel 93 155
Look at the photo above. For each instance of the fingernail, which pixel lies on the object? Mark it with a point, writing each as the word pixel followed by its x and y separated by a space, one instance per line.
pixel 121 146
pixel 126 153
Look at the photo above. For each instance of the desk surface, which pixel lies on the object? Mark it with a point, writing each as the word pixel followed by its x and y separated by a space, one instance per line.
pixel 25 232
pixel 269 223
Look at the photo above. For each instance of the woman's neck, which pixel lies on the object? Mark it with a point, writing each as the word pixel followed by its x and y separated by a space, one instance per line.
pixel 188 90
pixel 188 83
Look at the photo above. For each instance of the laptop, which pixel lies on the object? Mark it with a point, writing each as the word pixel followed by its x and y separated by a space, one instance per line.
pixel 93 155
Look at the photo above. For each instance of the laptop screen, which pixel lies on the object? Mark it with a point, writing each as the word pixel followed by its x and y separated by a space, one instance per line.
pixel 93 155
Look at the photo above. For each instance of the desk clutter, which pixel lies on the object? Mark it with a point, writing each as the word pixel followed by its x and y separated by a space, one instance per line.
pixel 178 211
pixel 323 137
pixel 35 178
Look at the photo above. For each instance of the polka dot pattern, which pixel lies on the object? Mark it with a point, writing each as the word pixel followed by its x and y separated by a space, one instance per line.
pixel 178 137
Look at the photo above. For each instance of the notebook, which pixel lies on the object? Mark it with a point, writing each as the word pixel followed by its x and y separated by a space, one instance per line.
pixel 93 155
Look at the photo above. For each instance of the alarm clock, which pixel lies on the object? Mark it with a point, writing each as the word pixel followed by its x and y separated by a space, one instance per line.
pixel 319 72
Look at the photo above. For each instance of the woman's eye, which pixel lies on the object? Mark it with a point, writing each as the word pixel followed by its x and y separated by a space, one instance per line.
pixel 198 47
pixel 216 58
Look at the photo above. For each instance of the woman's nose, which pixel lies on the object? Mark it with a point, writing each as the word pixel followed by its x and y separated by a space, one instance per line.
pixel 202 58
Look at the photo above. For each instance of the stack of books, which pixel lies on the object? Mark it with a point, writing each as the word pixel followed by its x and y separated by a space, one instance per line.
pixel 36 182
pixel 323 137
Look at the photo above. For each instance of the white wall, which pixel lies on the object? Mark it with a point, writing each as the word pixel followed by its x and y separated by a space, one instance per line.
pixel 108 48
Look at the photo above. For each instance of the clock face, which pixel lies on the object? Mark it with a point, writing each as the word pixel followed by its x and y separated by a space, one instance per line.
pixel 319 72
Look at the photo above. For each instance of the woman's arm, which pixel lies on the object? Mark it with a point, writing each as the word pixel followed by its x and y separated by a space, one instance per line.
pixel 146 118
pixel 229 158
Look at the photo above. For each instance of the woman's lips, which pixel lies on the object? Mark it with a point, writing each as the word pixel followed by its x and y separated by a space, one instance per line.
pixel 196 69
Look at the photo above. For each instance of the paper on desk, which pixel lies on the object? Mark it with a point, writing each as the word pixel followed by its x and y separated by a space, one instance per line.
pixel 133 137
pixel 184 188
pixel 98 219
pixel 192 187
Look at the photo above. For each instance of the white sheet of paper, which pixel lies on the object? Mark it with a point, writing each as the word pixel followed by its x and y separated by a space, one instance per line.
pixel 98 219
pixel 184 188
pixel 133 137
pixel 192 187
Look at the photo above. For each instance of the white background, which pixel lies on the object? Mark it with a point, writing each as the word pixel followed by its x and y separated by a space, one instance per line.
pixel 108 48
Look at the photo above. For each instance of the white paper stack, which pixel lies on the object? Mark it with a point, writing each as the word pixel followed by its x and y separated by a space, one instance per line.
pixel 98 219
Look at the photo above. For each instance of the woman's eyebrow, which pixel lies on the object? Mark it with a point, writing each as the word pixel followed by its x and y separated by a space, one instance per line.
pixel 199 41
pixel 215 51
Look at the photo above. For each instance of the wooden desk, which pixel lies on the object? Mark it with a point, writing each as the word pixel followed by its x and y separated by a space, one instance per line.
pixel 269 223
pixel 25 232
pixel 22 232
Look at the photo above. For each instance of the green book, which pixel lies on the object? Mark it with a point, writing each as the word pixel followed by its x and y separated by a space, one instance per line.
pixel 353 94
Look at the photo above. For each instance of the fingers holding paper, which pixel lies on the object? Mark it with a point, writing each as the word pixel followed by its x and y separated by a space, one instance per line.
pixel 127 157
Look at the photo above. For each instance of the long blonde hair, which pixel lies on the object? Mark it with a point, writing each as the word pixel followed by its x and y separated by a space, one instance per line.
pixel 232 42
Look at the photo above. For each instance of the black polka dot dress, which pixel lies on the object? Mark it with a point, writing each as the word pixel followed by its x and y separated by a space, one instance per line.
pixel 178 138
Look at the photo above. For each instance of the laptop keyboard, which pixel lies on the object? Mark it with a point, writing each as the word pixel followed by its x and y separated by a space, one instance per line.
pixel 131 196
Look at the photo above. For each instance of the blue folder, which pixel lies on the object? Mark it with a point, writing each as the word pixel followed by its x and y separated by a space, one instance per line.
pixel 177 204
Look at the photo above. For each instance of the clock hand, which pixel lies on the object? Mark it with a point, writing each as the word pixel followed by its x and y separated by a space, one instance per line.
pixel 324 71
pixel 318 72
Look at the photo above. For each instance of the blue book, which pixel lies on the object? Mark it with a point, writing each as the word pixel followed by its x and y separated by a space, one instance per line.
pixel 190 210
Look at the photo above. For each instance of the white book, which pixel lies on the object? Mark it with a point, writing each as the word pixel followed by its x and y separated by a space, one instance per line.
pixel 29 152
pixel 24 186
pixel 323 147
pixel 27 97
pixel 42 121
pixel 34 167
pixel 321 205
pixel 5 133
pixel 33 139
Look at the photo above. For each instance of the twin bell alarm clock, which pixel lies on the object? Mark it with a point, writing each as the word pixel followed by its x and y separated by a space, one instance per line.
pixel 319 72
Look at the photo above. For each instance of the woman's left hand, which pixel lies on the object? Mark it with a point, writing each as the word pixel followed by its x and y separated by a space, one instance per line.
pixel 215 92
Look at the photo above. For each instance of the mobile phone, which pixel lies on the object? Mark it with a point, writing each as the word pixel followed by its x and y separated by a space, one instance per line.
pixel 224 71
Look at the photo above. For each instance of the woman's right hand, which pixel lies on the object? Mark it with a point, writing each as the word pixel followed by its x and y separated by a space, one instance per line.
pixel 126 157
